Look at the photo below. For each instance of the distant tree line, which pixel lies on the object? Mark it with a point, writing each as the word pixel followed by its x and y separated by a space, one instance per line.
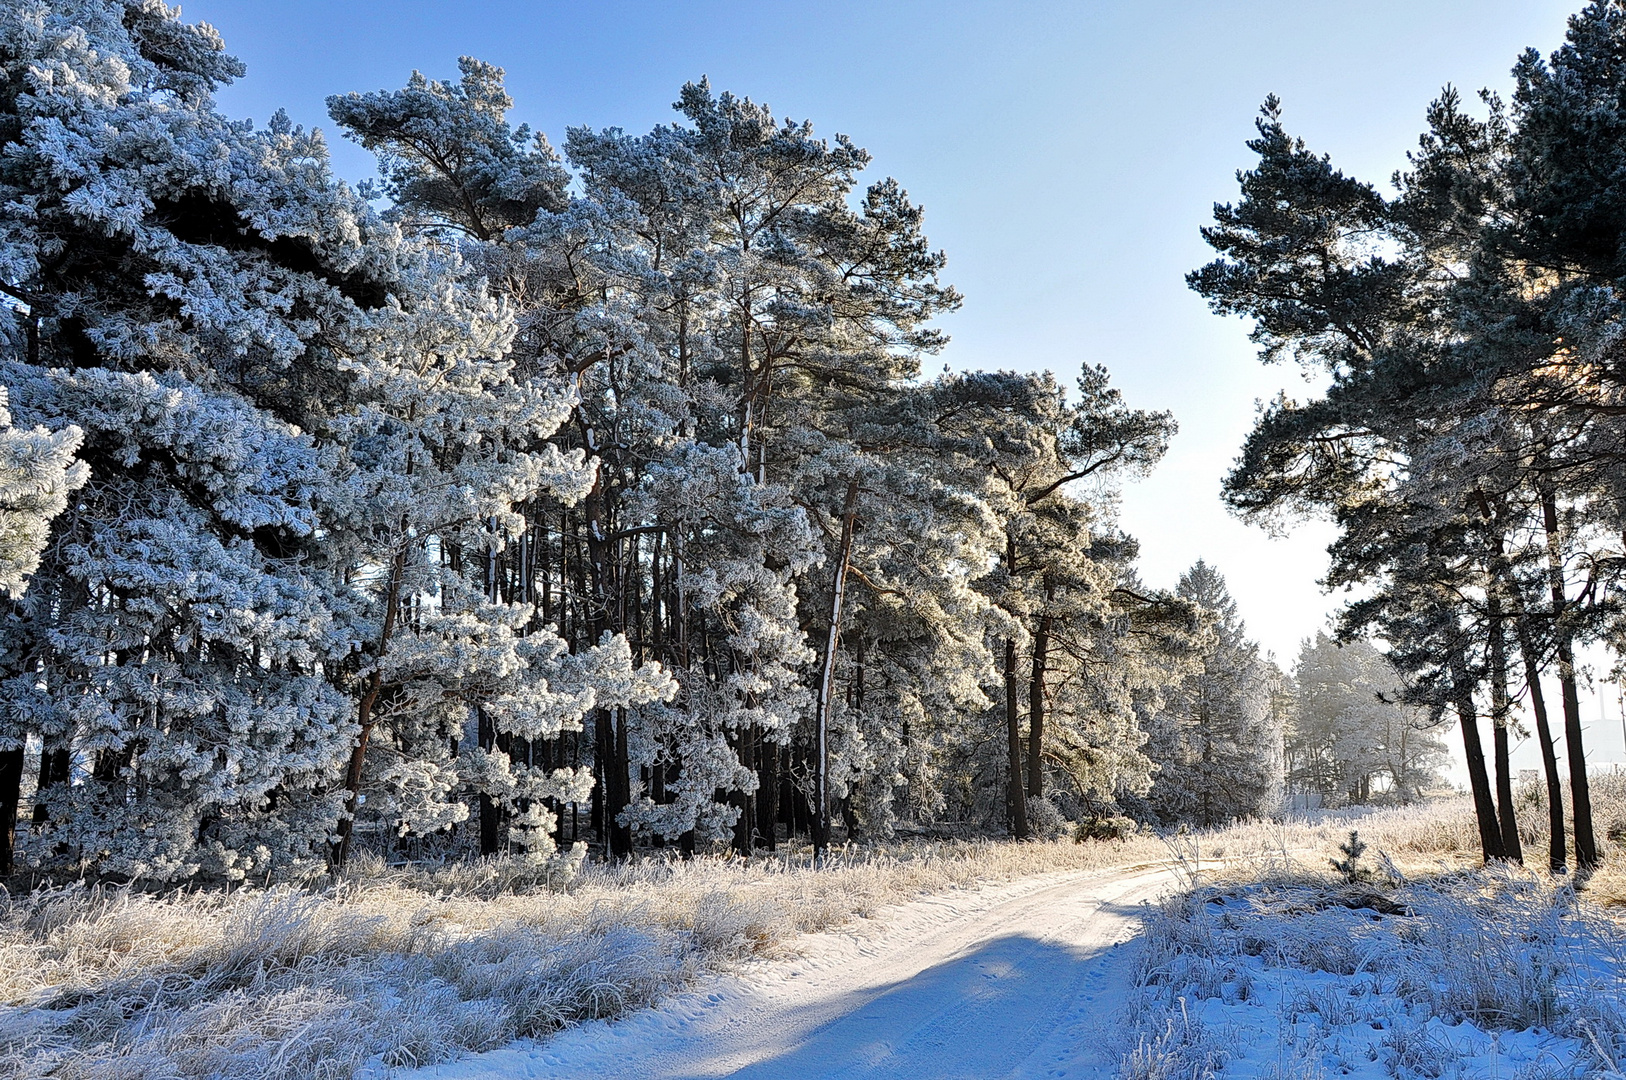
pixel 523 502
pixel 1351 739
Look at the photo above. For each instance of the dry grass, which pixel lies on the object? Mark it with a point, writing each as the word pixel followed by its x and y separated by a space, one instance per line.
pixel 410 967
pixel 1507 949
pixel 425 964
pixel 1500 948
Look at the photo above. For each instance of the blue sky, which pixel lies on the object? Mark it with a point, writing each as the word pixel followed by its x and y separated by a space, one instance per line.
pixel 1066 154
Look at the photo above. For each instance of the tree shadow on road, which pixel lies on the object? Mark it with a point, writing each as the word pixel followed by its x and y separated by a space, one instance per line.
pixel 980 1015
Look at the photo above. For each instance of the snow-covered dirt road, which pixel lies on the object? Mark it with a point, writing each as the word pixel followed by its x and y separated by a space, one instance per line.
pixel 1018 980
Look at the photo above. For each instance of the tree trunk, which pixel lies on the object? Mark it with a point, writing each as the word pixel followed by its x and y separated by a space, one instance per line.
pixel 603 753
pixel 1036 707
pixel 55 762
pixel 1557 856
pixel 849 818
pixel 11 787
pixel 1586 845
pixel 1490 834
pixel 620 789
pixel 827 679
pixel 1016 804
pixel 490 812
pixel 492 839
pixel 767 794
pixel 1507 820
pixel 1505 583
pixel 1501 717
pixel 369 700
pixel 745 826
pixel 352 773
pixel 1016 808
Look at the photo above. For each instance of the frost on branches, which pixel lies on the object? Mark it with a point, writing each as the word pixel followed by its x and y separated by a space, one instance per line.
pixel 590 495
pixel 294 421
pixel 38 471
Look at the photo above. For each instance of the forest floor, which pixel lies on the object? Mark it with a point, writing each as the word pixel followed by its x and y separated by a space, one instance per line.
pixel 884 958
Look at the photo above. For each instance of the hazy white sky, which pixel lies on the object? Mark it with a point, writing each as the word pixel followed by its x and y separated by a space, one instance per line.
pixel 1066 154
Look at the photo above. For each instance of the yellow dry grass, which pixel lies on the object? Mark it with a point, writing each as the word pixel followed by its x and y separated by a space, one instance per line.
pixel 417 965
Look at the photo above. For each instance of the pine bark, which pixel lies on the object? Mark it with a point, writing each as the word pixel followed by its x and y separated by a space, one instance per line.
pixel 767 795
pixel 365 716
pixel 11 786
pixel 1036 708
pixel 1501 717
pixel 1557 856
pixel 1016 808
pixel 490 812
pixel 1504 585
pixel 745 745
pixel 54 766
pixel 1490 834
pixel 827 678
pixel 1586 845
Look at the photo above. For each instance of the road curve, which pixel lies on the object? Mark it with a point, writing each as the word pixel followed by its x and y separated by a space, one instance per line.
pixel 1018 980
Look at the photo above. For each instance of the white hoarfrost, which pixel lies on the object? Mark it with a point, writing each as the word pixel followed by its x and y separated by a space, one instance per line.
pixel 37 474
pixel 304 432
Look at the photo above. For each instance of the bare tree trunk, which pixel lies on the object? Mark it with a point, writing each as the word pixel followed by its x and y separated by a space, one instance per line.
pixel 11 787
pixel 365 717
pixel 1036 707
pixel 827 679
pixel 1557 857
pixel 1501 717
pixel 1016 807
pixel 1586 845
pixel 1490 835
pixel 1505 584
pixel 491 813
pixel 767 793
pixel 745 825
pixel 54 769
pixel 620 789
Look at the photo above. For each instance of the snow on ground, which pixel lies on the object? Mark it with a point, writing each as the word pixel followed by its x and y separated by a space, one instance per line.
pixel 1050 978
pixel 1022 980
pixel 1304 1024
pixel 1493 975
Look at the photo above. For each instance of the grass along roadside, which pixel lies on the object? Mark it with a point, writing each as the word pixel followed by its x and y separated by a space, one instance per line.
pixel 1482 973
pixel 1405 962
pixel 414 966
pixel 410 966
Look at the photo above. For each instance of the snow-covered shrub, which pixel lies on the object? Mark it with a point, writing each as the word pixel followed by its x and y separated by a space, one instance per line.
pixel 1045 821
pixel 1412 1050
pixel 1116 827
